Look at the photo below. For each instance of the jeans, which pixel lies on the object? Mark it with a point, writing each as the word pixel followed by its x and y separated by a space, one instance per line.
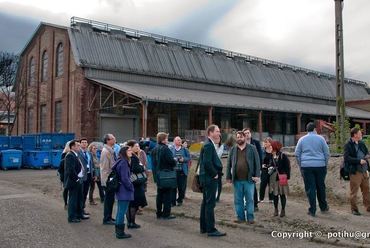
pixel 108 205
pixel 314 183
pixel 122 207
pixel 244 199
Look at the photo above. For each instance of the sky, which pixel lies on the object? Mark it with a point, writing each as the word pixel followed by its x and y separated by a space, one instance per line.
pixel 297 32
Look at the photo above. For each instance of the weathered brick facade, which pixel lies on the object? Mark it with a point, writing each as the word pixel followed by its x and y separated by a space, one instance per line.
pixel 71 88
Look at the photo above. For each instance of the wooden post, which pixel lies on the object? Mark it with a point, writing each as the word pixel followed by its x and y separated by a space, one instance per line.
pixel 144 119
pixel 260 128
pixel 299 123
pixel 364 127
pixel 210 116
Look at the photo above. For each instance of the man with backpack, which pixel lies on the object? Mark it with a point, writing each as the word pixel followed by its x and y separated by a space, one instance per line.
pixel 355 160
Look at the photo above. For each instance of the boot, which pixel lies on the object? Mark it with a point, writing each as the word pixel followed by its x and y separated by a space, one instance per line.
pixel 120 232
pixel 282 213
pixel 133 226
pixel 276 213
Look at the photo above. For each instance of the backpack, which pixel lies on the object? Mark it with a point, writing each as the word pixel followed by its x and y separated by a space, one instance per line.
pixel 113 181
pixel 345 171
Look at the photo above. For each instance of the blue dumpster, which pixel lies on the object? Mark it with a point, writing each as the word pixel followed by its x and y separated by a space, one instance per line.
pixel 45 141
pixel 37 159
pixel 11 159
pixel 4 142
pixel 68 137
pixel 57 141
pixel 29 142
pixel 56 157
pixel 15 142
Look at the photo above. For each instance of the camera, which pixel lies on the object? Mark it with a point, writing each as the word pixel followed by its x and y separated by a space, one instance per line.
pixel 271 170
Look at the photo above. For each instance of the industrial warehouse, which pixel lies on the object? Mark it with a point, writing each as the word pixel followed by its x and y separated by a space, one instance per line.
pixel 94 78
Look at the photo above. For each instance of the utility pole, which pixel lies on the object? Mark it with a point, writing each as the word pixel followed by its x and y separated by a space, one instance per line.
pixel 341 111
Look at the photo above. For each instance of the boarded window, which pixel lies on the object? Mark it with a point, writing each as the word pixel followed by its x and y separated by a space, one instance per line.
pixel 163 123
pixel 30 120
pixel 32 72
pixel 58 117
pixel 45 58
pixel 60 60
pixel 43 114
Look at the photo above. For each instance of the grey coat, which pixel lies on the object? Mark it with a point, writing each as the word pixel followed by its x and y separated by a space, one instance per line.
pixel 253 161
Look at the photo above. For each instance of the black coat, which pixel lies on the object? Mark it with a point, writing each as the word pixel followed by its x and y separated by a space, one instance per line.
pixel 210 163
pixel 283 164
pixel 257 144
pixel 71 170
pixel 162 159
pixel 350 154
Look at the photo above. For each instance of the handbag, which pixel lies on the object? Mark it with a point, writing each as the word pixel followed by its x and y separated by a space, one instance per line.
pixel 195 185
pixel 167 179
pixel 283 179
pixel 138 178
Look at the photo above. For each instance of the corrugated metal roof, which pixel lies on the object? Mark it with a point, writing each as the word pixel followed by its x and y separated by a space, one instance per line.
pixel 106 51
pixel 197 97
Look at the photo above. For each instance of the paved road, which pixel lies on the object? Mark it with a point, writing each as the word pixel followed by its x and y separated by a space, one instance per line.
pixel 33 216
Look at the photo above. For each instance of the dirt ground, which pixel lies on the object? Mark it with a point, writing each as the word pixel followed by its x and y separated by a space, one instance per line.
pixel 337 221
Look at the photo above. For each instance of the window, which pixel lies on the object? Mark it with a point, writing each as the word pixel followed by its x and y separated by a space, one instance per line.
pixel 43 114
pixel 58 117
pixel 31 72
pixel 30 120
pixel 44 69
pixel 163 123
pixel 59 62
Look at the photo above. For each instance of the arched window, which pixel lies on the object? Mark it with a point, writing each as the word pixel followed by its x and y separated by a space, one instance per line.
pixel 31 72
pixel 59 62
pixel 44 75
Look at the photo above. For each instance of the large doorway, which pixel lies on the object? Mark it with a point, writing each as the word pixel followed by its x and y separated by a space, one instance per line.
pixel 123 128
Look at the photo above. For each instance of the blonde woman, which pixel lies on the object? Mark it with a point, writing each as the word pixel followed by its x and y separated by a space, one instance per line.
pixel 93 151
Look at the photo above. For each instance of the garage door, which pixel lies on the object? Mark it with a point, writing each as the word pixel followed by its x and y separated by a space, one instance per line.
pixel 122 128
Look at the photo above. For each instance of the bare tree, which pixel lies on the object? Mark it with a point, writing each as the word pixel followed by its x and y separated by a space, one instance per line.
pixel 12 93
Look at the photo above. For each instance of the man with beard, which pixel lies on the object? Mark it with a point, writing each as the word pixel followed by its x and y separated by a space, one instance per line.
pixel 243 170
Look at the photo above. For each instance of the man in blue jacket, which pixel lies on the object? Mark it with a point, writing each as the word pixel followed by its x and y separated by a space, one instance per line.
pixel 182 158
pixel 312 154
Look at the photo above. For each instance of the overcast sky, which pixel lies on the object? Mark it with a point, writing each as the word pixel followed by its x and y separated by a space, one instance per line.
pixel 298 32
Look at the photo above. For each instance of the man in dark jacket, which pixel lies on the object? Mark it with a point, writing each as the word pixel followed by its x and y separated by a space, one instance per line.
pixel 248 135
pixel 73 182
pixel 209 170
pixel 355 155
pixel 163 160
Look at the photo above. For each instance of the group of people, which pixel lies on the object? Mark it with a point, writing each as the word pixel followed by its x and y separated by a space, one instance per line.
pixel 247 165
pixel 245 168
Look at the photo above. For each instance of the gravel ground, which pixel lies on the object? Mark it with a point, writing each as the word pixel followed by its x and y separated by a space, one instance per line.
pixel 32 215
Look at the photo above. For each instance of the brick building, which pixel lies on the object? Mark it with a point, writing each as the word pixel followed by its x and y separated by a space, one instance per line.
pixel 92 78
